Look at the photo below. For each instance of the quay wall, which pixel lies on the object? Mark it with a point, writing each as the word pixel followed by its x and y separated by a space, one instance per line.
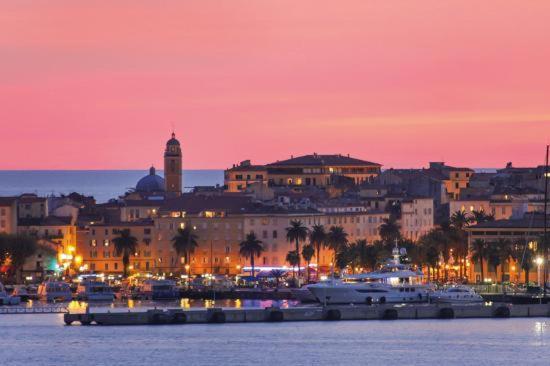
pixel 308 313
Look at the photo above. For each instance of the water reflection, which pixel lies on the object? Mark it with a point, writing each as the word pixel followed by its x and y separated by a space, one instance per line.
pixel 540 330
pixel 184 303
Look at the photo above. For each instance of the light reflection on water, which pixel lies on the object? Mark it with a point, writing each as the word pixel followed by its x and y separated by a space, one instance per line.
pixel 185 303
pixel 45 340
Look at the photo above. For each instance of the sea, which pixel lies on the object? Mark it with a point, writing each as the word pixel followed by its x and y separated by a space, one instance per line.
pixel 102 184
pixel 45 340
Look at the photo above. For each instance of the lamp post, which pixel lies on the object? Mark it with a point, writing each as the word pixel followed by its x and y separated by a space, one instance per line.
pixel 539 262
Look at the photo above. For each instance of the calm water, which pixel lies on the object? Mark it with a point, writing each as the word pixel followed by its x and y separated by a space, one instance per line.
pixel 102 184
pixel 45 340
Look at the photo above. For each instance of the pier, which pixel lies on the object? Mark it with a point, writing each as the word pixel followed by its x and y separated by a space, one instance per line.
pixel 312 313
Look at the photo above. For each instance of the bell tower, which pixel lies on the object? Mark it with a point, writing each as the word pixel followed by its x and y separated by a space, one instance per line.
pixel 172 166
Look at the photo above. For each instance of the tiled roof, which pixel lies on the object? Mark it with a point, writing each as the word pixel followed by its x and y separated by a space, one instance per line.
pixel 7 201
pixel 194 204
pixel 247 168
pixel 527 222
pixel 323 160
pixel 46 221
pixel 142 222
pixel 30 198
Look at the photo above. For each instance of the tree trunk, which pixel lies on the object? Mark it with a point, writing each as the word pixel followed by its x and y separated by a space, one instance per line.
pixel 318 260
pixel 482 274
pixel 252 264
pixel 125 264
pixel 307 272
pixel 298 253
pixel 526 276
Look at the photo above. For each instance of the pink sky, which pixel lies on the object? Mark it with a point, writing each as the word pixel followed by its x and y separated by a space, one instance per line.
pixel 98 84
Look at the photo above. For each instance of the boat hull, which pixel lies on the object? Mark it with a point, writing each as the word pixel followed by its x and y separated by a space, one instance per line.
pixel 357 295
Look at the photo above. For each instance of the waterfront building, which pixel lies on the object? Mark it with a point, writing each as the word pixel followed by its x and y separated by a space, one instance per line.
pixel 98 250
pixel 57 237
pixel 308 170
pixel 29 205
pixel 243 175
pixel 523 234
pixel 417 217
pixel 8 215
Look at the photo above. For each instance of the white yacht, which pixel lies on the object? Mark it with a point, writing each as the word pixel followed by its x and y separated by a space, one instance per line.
pixel 158 290
pixel 89 290
pixel 395 283
pixel 456 294
pixel 54 291
pixel 6 299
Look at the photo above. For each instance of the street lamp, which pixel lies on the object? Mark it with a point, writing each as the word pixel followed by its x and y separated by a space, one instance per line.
pixel 539 261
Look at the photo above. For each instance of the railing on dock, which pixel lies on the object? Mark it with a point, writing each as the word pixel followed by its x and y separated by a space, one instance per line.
pixel 33 310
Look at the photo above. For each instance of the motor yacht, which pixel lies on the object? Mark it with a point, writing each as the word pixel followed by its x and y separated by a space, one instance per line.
pixel 455 294
pixel 6 299
pixel 303 294
pixel 394 283
pixel 54 291
pixel 90 290
pixel 158 290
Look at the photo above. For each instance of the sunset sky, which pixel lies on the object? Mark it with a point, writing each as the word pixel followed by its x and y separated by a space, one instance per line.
pixel 99 84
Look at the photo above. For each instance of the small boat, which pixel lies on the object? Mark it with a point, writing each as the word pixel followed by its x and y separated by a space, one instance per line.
pixel 55 291
pixel 94 291
pixel 158 290
pixel 456 294
pixel 23 292
pixel 6 299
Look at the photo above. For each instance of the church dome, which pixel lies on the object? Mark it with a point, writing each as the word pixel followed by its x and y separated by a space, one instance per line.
pixel 151 183
pixel 173 140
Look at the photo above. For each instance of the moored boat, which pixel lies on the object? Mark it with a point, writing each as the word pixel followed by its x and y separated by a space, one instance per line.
pixel 90 290
pixel 158 290
pixel 394 283
pixel 6 299
pixel 456 294
pixel 54 291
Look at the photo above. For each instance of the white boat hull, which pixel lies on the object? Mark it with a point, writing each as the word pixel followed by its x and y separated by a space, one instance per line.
pixel 355 294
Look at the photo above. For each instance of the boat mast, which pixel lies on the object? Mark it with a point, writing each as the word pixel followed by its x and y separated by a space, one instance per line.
pixel 545 250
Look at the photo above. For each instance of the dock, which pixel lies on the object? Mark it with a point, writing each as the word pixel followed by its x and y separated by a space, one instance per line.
pixel 33 310
pixel 311 313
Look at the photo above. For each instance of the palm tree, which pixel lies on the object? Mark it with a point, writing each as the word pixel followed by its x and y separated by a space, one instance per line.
pixel 344 256
pixel 307 252
pixel 525 256
pixel 318 238
pixel 296 232
pixel 429 244
pixel 251 247
pixel 293 259
pixel 18 248
pixel 506 252
pixel 390 231
pixel 460 220
pixel 493 257
pixel 184 243
pixel 480 217
pixel 479 253
pixel 125 245
pixel 337 239
pixel 366 256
